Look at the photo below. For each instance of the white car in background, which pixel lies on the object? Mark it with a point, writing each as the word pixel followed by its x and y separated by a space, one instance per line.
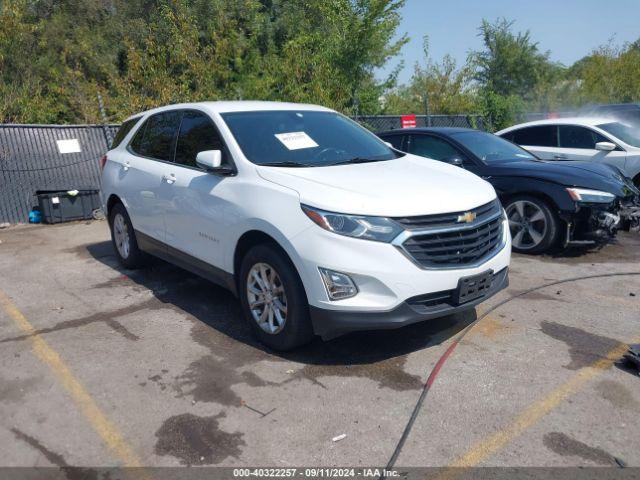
pixel 592 139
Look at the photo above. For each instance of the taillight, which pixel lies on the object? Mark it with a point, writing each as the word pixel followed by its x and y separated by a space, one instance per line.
pixel 103 162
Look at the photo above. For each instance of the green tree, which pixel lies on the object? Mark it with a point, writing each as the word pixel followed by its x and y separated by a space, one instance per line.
pixel 441 87
pixel 610 74
pixel 511 72
pixel 510 63
pixel 57 55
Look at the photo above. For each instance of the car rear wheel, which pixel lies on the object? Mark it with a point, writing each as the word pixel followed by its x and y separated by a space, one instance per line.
pixel 534 227
pixel 123 238
pixel 273 298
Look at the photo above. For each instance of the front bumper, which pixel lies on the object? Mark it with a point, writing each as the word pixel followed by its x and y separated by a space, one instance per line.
pixel 384 276
pixel 333 323
pixel 598 223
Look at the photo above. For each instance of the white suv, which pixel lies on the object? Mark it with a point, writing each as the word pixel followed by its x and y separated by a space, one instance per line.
pixel 315 223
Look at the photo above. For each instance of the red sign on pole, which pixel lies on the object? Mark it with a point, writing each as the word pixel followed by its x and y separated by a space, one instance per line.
pixel 408 121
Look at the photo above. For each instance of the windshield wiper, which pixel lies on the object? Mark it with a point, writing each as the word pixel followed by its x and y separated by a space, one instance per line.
pixel 285 164
pixel 356 160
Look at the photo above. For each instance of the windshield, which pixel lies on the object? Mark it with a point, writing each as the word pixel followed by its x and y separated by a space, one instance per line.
pixel 490 148
pixel 292 138
pixel 629 135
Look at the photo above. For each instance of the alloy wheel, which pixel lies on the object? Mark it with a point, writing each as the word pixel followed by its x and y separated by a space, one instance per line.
pixel 121 235
pixel 528 224
pixel 266 297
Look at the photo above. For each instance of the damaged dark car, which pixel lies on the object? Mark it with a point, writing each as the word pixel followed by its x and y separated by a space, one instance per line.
pixel 549 205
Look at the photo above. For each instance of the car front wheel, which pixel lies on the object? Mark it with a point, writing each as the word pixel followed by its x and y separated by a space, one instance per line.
pixel 534 227
pixel 273 298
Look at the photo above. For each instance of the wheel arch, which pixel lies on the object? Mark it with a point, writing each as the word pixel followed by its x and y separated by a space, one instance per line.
pixel 250 239
pixel 111 201
pixel 548 199
pixel 561 217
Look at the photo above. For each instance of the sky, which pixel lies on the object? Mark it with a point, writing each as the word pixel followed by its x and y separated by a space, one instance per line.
pixel 569 29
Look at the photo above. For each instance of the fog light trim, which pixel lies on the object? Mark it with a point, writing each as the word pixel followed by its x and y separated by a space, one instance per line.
pixel 339 286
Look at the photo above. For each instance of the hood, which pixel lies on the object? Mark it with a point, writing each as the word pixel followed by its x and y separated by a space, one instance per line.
pixel 406 186
pixel 596 176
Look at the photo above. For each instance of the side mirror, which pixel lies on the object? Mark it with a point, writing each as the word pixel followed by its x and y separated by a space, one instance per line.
pixel 209 160
pixel 388 144
pixel 605 146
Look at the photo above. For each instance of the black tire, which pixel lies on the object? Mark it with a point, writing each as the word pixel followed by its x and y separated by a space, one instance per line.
pixel 297 329
pixel 550 234
pixel 135 258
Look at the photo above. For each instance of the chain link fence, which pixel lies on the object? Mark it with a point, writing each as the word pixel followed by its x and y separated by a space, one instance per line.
pixel 36 157
pixel 381 123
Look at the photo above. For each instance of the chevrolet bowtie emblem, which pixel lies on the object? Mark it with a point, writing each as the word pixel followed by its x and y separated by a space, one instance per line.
pixel 467 217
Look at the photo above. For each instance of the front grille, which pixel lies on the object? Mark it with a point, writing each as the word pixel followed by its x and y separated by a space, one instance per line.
pixel 456 246
pixel 443 220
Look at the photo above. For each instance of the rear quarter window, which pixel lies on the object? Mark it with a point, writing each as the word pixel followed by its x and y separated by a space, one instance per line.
pixel 508 136
pixel 540 136
pixel 124 129
pixel 395 140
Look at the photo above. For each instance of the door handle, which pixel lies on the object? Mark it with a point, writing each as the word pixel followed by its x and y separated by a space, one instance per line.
pixel 126 165
pixel 170 179
pixel 560 157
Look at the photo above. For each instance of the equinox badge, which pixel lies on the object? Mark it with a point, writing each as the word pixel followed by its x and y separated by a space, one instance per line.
pixel 467 217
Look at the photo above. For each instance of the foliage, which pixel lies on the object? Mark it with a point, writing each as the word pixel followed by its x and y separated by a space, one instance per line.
pixel 510 63
pixel 511 73
pixel 610 74
pixel 57 55
pixel 441 88
pixel 500 111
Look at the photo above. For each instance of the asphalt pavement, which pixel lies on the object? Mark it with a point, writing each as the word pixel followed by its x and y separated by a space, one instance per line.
pixel 101 366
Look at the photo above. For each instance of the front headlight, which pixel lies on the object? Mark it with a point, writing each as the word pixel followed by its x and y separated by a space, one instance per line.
pixel 379 229
pixel 590 196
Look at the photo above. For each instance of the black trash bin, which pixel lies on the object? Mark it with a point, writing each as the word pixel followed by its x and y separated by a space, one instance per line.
pixel 61 206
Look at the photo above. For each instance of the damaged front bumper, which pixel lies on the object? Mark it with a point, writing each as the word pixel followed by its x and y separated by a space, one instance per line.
pixel 630 214
pixel 598 223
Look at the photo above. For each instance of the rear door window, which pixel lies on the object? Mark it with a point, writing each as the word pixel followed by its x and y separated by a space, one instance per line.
pixel 574 136
pixel 540 136
pixel 197 134
pixel 157 137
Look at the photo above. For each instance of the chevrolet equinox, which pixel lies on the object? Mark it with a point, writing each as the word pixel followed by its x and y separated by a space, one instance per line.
pixel 318 226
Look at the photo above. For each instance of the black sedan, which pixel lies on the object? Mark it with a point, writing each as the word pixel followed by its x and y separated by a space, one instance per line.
pixel 547 203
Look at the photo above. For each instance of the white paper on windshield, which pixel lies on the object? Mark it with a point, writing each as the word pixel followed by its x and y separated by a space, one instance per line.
pixel 296 140
pixel 69 146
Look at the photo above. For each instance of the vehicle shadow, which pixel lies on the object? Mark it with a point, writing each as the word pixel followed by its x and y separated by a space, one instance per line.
pixel 621 249
pixel 218 309
pixel 578 251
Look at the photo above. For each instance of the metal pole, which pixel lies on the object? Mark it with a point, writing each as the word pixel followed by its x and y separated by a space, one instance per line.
pixel 105 128
pixel 426 108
